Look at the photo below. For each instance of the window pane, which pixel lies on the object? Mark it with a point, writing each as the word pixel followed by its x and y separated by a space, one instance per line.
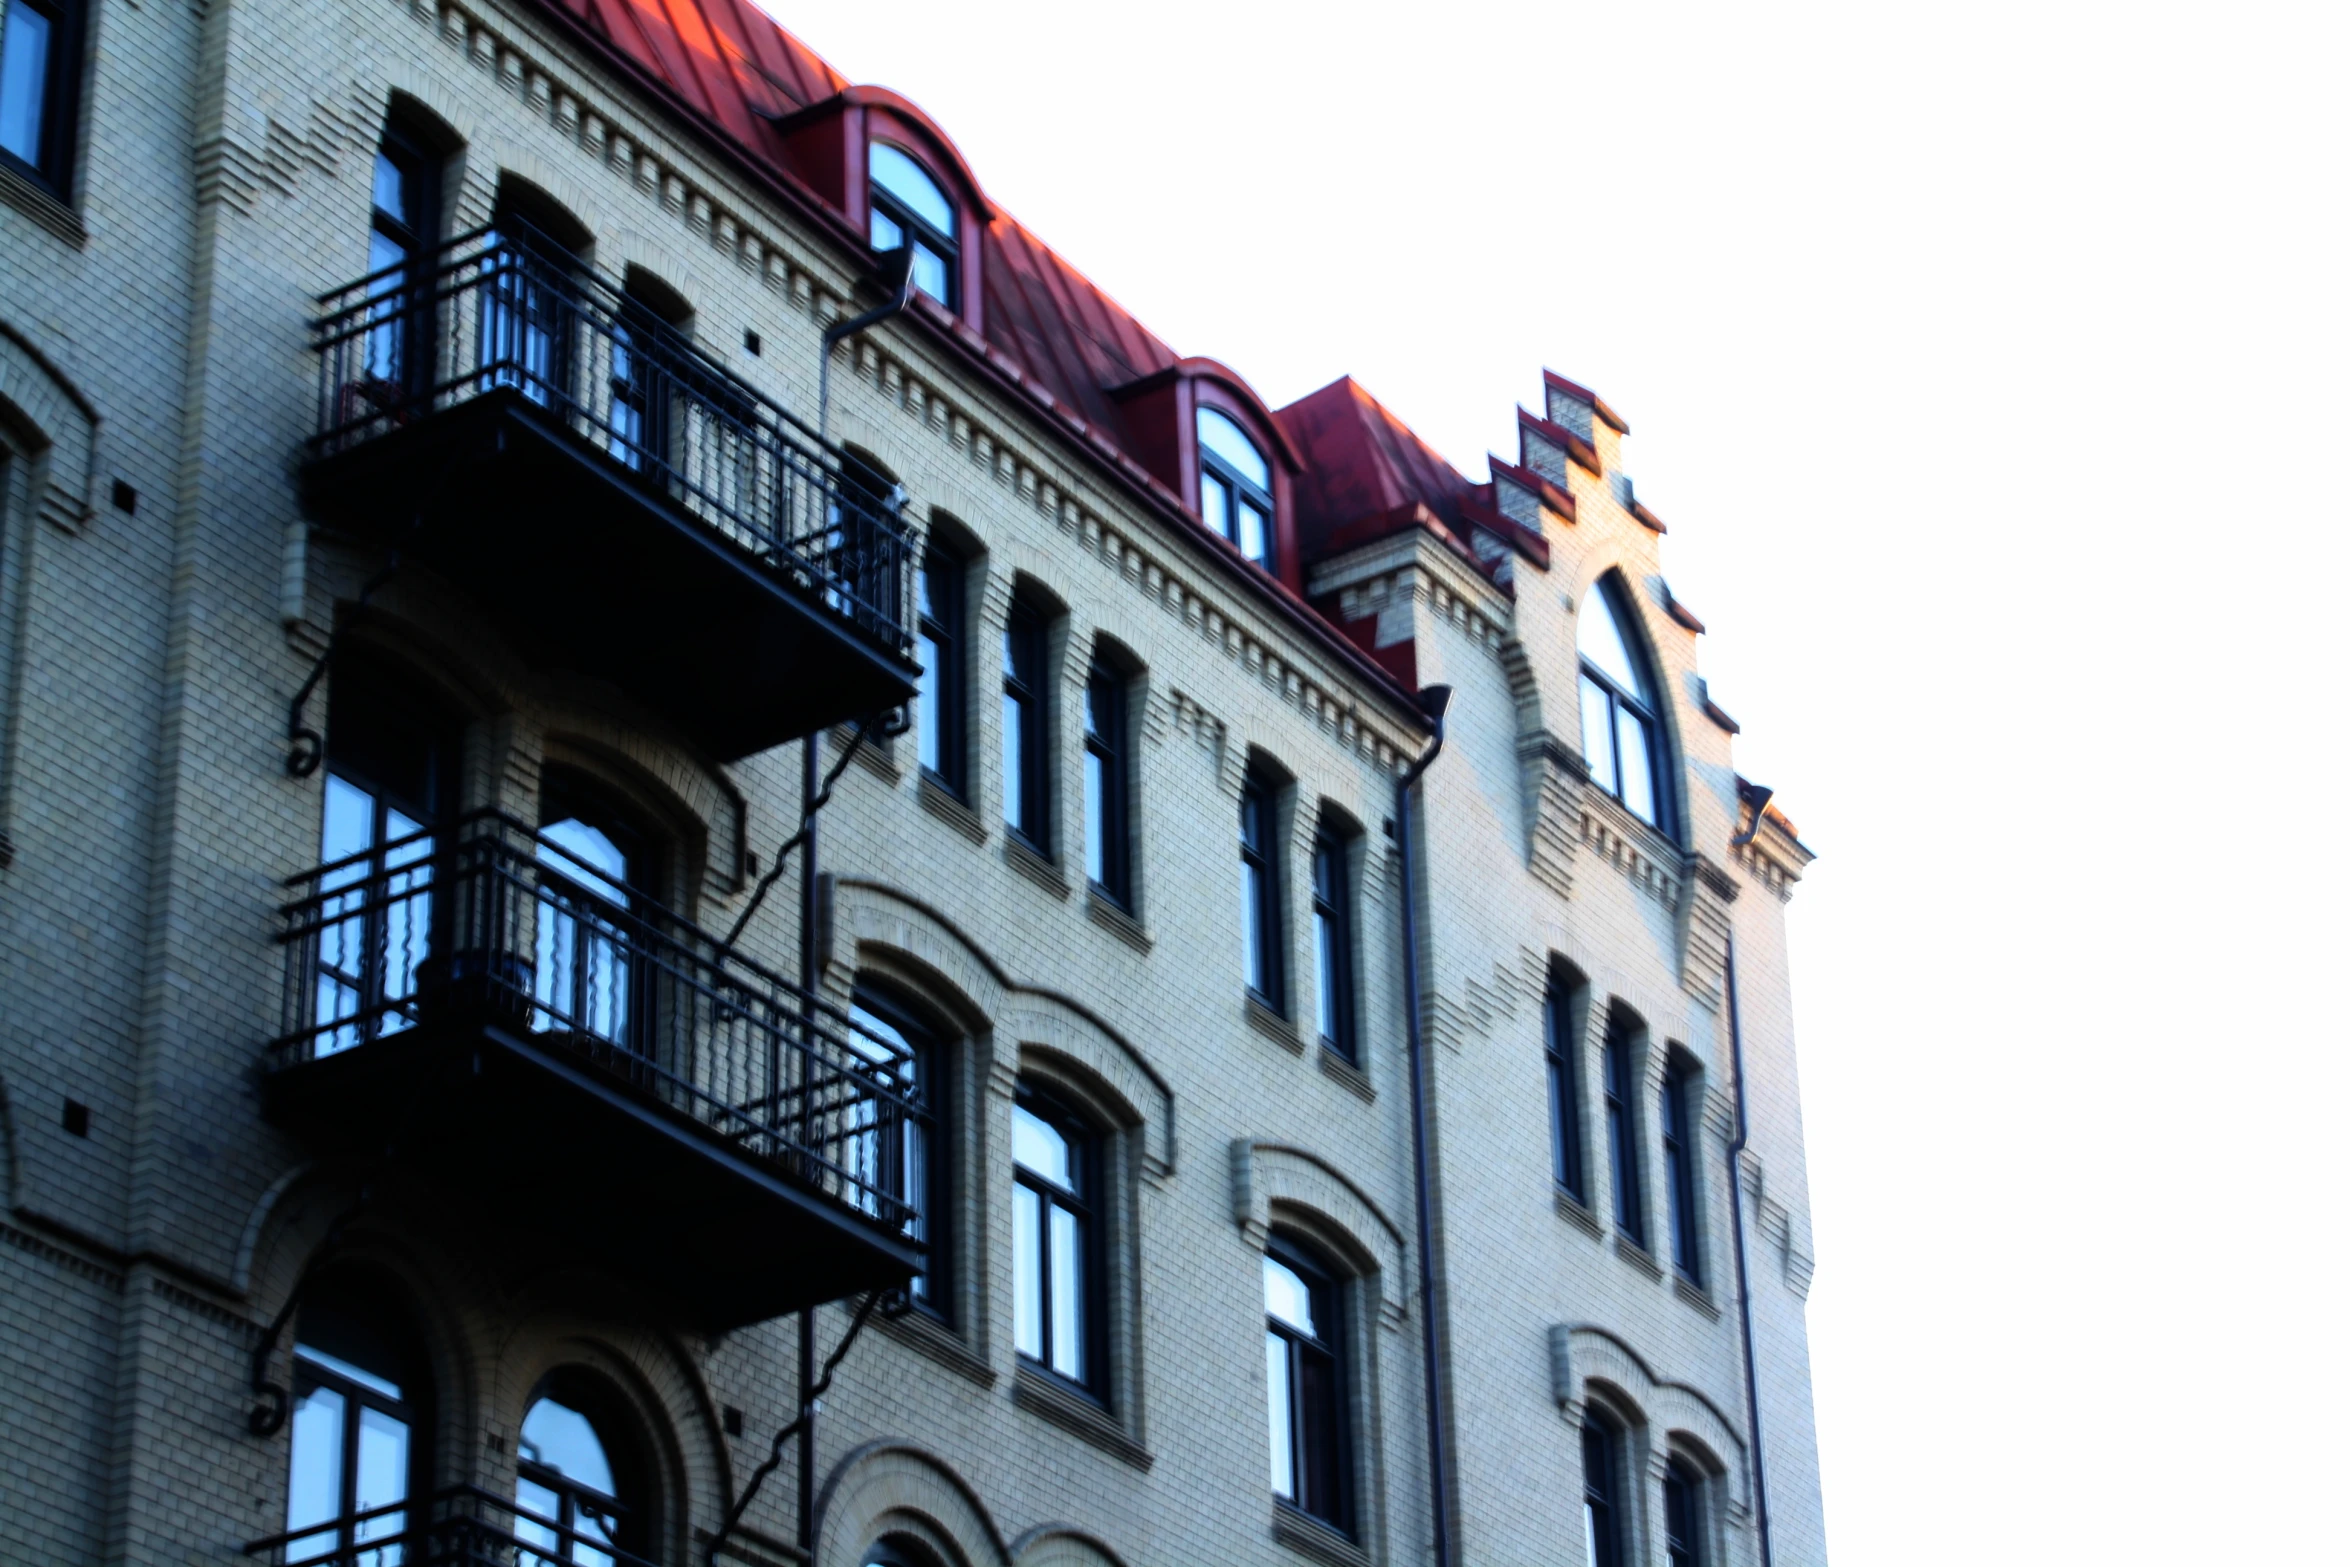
pixel 349 1372
pixel 24 80
pixel 928 703
pixel 541 1502
pixel 1215 505
pixel 887 232
pixel 1097 837
pixel 1255 539
pixel 1278 1417
pixel 907 180
pixel 1027 1273
pixel 1015 747
pixel 314 1482
pixel 1632 757
pixel 1039 1148
pixel 391 191
pixel 931 274
pixel 1252 914
pixel 558 1437
pixel 1068 1296
pixel 1601 639
pixel 1287 1298
pixel 1599 749
pixel 1218 434
pixel 1326 973
pixel 383 1471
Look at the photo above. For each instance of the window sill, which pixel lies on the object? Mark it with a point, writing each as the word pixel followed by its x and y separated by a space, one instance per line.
pixel 1073 1412
pixel 35 202
pixel 1116 920
pixel 926 1335
pixel 1344 1072
pixel 1034 866
pixel 1573 1208
pixel 1310 1536
pixel 1695 1295
pixel 940 801
pixel 1272 1024
pixel 1637 1255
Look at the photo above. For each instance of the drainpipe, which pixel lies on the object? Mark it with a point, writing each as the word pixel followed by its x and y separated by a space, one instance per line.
pixel 1433 701
pixel 1754 1430
pixel 897 274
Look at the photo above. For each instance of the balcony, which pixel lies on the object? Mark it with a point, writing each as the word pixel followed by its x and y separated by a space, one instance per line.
pixel 583 1081
pixel 459 1525
pixel 544 441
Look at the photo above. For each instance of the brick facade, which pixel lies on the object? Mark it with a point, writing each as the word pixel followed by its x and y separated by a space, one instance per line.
pixel 162 598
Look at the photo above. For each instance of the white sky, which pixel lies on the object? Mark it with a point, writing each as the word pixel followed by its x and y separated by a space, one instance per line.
pixel 1987 363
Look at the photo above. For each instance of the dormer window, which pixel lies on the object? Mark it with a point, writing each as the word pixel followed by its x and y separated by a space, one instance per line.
pixel 910 209
pixel 1235 486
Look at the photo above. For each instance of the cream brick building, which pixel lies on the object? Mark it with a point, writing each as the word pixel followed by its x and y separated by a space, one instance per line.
pixel 417 1139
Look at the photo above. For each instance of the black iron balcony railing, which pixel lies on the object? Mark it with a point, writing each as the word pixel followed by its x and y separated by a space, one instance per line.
pixel 488 922
pixel 508 313
pixel 462 1526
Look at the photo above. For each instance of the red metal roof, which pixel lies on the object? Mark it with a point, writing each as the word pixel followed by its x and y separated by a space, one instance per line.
pixel 1361 461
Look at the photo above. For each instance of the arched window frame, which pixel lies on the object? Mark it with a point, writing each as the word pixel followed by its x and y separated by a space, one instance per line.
pixel 1606 705
pixel 1606 1449
pixel 1680 1115
pixel 1311 1428
pixel 943 699
pixel 1683 1513
pixel 1334 877
pixel 1109 777
pixel 631 1503
pixel 938 259
pixel 1227 496
pixel 1041 1270
pixel 1564 1002
pixel 919 1170
pixel 1620 1059
pixel 342 1408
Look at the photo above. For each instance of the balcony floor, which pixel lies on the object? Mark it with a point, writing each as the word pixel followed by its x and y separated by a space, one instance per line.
pixel 557 1164
pixel 613 578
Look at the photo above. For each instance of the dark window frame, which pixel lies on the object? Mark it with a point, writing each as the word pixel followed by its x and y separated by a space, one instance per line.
pixel 1603 1522
pixel 947 247
pixel 413 233
pixel 1623 1132
pixel 944 600
pixel 1334 943
pixel 1238 488
pixel 571 793
pixel 58 132
pixel 1684 1514
pixel 1025 691
pixel 412 1408
pixel 1260 859
pixel 1677 1129
pixel 628 1506
pixel 1651 722
pixel 1562 1053
pixel 1109 803
pixel 1088 1165
pixel 1327 1456
pixel 932 1290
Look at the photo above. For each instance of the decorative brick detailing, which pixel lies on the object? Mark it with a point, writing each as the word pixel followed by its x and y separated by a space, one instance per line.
pixel 1583 1357
pixel 1266 1176
pixel 1555 777
pixel 1630 845
pixel 1706 895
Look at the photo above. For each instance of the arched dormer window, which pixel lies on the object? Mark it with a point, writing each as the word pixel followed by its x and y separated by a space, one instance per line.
pixel 909 208
pixel 1235 486
pixel 1622 740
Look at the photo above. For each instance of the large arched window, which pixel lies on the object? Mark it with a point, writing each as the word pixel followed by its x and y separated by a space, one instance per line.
pixel 1622 740
pixel 357 1426
pixel 574 1497
pixel 909 209
pixel 1603 1464
pixel 596 866
pixel 1235 486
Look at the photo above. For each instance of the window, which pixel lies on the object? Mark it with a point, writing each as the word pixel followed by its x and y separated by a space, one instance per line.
pixel 39 40
pixel 648 339
pixel 909 1166
pixel 355 1424
pixel 909 209
pixel 1603 1528
pixel 1055 1248
pixel 1333 945
pixel 1683 1491
pixel 1108 786
pixel 1305 1386
pixel 568 1492
pixel 940 697
pixel 594 868
pixel 1025 781
pixel 1623 1133
pixel 526 317
pixel 402 227
pixel 1621 742
pixel 1260 895
pixel 387 778
pixel 1566 1090
pixel 1235 486
pixel 1680 1168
